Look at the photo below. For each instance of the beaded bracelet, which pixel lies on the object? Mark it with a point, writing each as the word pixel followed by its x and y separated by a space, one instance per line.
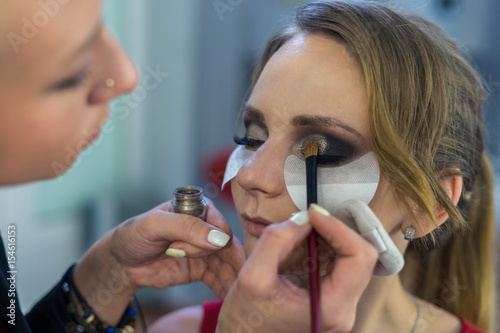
pixel 90 321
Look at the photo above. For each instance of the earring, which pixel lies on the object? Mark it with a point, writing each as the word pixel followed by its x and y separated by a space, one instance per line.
pixel 409 233
pixel 110 83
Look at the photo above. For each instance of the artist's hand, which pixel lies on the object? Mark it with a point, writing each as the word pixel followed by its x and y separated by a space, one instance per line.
pixel 262 301
pixel 133 256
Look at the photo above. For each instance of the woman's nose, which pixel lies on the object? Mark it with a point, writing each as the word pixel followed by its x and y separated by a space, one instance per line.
pixel 118 75
pixel 263 173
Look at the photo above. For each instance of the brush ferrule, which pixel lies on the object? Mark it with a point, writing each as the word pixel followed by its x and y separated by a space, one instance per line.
pixel 311 149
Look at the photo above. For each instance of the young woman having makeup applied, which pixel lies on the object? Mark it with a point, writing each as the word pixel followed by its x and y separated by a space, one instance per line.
pixel 55 90
pixel 396 111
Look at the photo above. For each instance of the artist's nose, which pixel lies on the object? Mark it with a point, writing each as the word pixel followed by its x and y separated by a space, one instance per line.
pixel 117 74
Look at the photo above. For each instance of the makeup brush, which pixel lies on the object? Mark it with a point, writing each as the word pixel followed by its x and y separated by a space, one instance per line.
pixel 311 154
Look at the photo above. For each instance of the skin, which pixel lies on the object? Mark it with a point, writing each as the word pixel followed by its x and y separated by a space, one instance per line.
pixel 47 123
pixel 314 75
pixel 302 79
pixel 44 125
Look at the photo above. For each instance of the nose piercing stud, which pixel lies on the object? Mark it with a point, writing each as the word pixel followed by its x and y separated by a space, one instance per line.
pixel 110 83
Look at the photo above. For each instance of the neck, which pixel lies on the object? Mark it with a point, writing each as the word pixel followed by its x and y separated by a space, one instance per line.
pixel 385 307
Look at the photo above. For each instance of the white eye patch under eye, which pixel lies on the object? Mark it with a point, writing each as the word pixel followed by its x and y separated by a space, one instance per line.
pixel 356 180
pixel 239 156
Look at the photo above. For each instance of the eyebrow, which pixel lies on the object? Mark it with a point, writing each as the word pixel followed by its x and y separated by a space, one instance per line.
pixel 306 120
pixel 303 120
pixel 87 44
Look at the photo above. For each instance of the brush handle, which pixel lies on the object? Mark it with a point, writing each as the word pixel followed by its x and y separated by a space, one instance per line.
pixel 311 180
pixel 312 243
pixel 314 281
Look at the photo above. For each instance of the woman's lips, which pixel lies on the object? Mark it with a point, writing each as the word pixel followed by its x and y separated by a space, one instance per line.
pixel 256 226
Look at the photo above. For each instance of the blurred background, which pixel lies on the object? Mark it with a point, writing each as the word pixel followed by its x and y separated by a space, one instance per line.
pixel 195 58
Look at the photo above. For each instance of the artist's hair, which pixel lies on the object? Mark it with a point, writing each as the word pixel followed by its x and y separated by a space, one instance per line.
pixel 425 112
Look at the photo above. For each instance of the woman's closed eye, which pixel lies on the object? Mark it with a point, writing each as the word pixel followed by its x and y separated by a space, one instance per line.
pixel 333 150
pixel 74 81
pixel 255 135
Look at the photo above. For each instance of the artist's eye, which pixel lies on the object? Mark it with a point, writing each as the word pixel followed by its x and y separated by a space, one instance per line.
pixel 74 81
pixel 255 135
pixel 332 151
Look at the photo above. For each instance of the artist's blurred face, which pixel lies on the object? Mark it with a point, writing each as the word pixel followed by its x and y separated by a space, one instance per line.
pixel 311 86
pixel 53 94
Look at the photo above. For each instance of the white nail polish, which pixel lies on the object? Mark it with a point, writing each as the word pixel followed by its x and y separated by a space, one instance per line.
pixel 300 218
pixel 217 238
pixel 175 253
pixel 319 209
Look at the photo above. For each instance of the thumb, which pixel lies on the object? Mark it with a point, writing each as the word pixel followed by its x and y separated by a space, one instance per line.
pixel 275 245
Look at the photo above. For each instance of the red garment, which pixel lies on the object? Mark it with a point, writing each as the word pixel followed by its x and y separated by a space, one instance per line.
pixel 468 327
pixel 211 314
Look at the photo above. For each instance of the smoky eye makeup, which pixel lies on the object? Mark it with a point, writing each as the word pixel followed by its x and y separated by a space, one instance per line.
pixel 254 135
pixel 333 149
pixel 337 145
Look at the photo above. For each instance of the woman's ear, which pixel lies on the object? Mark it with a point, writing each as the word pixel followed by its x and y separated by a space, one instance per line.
pixel 453 187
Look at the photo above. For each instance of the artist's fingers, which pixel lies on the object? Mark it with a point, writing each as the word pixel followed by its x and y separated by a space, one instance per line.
pixel 211 280
pixel 273 247
pixel 183 249
pixel 225 271
pixel 159 225
pixel 233 254
pixel 354 263
pixel 214 217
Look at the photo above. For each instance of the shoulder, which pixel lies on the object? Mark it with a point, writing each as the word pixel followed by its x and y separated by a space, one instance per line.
pixel 183 320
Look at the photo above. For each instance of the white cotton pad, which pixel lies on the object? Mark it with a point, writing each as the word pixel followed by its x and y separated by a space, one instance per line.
pixel 355 180
pixel 239 156
pixel 359 217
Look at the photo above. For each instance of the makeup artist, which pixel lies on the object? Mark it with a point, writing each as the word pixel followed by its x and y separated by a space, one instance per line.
pixel 55 87
pixel 366 83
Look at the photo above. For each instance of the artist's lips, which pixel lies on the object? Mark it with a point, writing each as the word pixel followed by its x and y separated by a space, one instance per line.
pixel 255 225
pixel 92 137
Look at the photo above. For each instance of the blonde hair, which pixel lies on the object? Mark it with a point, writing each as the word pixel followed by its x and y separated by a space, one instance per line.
pixel 425 112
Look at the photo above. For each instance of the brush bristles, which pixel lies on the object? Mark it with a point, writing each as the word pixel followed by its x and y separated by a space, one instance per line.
pixel 311 149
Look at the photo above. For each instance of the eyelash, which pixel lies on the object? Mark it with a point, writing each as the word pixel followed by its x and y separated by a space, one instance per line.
pixel 249 143
pixel 74 81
